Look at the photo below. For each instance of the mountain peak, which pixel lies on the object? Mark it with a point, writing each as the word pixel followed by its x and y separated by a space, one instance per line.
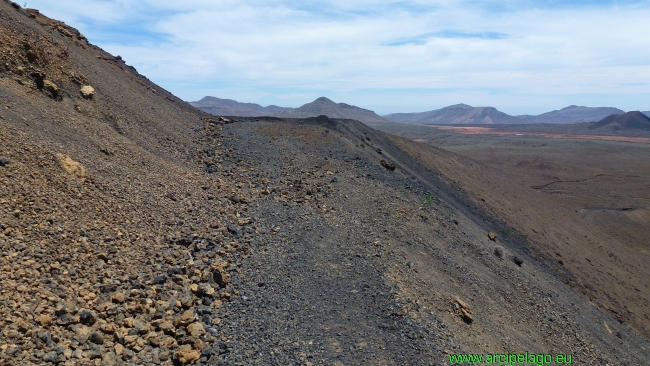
pixel 323 100
pixel 461 105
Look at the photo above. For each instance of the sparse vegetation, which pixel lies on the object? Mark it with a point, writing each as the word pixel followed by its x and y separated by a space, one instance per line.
pixel 506 232
pixel 427 200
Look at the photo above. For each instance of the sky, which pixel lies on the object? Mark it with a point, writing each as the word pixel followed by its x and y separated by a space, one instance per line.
pixel 519 56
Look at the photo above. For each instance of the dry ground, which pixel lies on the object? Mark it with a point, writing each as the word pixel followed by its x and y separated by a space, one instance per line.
pixel 579 198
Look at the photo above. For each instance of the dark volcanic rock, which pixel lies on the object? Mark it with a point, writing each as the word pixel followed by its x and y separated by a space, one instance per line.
pixel 624 122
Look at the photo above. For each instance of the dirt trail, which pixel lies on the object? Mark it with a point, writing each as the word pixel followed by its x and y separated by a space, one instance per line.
pixel 365 273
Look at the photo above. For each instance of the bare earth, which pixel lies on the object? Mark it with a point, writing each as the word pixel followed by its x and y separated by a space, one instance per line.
pixel 492 131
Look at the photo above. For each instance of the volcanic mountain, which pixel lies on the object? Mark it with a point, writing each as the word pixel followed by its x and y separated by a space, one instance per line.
pixel 326 107
pixel 456 114
pixel 572 114
pixel 229 107
pixel 634 120
pixel 136 229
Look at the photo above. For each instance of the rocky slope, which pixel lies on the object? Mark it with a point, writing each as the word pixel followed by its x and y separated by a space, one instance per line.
pixel 572 114
pixel 229 107
pixel 136 229
pixel 326 107
pixel 456 114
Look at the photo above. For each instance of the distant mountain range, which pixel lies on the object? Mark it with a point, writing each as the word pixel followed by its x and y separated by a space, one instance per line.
pixel 572 114
pixel 320 106
pixel 627 121
pixel 229 107
pixel 452 115
pixel 456 114
pixel 324 106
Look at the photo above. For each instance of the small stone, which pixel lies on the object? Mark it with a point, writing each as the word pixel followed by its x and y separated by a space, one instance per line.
pixel 196 329
pixel 334 180
pixel 96 338
pixel 388 165
pixel 110 359
pixel 166 327
pixel 51 357
pixel 87 92
pixel 4 161
pixel 87 318
pixel 205 289
pixel 61 308
pixel 221 277
pixel 233 230
pixel 465 311
pixel 498 251
pixel 119 349
pixel 492 235
pixel 185 319
pixel 44 320
pixel 65 319
pixel 518 261
pixel 82 333
pixel 186 355
pixel 118 297
pixel 51 87
pixel 160 280
pixel 141 326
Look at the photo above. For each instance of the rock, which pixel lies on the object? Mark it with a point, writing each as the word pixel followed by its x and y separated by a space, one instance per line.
pixel 186 355
pixel 205 289
pixel 492 235
pixel 119 349
pixel 62 308
pixel 96 338
pixel 141 326
pixel 118 297
pixel 51 357
pixel 465 311
pixel 221 277
pixel 3 161
pixel 65 319
pixel 87 92
pixel 334 180
pixel 166 327
pixel 388 165
pixel 52 88
pixel 94 352
pixel 196 329
pixel 498 251
pixel 45 337
pixel 44 320
pixel 82 333
pixel 160 280
pixel 111 359
pixel 72 167
pixel 518 261
pixel 184 319
pixel 233 230
pixel 87 318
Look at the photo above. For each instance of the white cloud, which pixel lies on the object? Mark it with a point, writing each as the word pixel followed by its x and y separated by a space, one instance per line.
pixel 514 57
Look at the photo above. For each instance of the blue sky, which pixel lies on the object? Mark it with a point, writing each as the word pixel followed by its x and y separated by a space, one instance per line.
pixel 519 56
